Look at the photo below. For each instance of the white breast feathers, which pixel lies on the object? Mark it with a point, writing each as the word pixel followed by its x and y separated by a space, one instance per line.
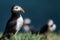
pixel 19 23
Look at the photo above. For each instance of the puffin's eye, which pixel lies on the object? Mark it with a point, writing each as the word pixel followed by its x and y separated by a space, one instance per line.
pixel 16 7
pixel 51 25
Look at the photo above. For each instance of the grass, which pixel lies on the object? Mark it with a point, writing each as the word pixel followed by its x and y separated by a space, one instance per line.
pixel 25 36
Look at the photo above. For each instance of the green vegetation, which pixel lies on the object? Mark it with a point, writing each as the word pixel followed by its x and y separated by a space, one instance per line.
pixel 25 36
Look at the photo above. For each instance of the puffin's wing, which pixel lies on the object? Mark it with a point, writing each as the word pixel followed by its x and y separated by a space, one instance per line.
pixel 10 27
pixel 44 29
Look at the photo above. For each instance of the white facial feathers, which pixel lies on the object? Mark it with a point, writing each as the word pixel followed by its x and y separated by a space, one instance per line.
pixel 51 25
pixel 17 8
pixel 50 22
pixel 27 21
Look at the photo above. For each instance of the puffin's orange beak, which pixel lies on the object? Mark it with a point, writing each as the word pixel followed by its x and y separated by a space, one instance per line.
pixel 22 10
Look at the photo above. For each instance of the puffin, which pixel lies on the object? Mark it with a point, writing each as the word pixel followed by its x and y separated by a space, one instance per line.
pixel 50 26
pixel 15 22
pixel 28 27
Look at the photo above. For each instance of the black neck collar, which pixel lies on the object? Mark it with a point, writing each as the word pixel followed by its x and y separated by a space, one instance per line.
pixel 15 15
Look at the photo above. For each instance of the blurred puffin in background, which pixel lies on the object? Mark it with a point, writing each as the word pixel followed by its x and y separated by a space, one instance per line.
pixel 28 27
pixel 14 23
pixel 50 26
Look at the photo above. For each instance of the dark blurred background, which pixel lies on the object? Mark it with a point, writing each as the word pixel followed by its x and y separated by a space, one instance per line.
pixel 39 11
